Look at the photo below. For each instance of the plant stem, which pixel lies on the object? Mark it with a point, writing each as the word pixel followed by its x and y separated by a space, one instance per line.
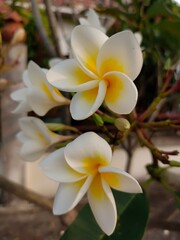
pixel 41 29
pixel 24 193
pixel 53 27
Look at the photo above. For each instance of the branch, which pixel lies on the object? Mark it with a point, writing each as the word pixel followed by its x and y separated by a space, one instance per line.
pixel 24 193
pixel 160 124
pixel 53 27
pixel 41 29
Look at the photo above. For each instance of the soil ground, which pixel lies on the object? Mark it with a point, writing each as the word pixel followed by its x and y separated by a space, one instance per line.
pixel 22 221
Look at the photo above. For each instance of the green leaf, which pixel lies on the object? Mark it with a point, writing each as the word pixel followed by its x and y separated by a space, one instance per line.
pixel 132 218
pixel 159 8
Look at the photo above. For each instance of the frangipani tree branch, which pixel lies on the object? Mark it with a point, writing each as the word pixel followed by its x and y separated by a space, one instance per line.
pixel 41 29
pixel 22 192
pixel 53 27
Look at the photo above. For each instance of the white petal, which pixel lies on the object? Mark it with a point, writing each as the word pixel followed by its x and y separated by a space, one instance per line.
pixel 83 21
pixel 86 42
pixel 120 180
pixel 21 97
pixel 26 80
pixel 87 152
pixel 102 204
pixel 54 61
pixel 85 103
pixel 36 75
pixel 21 137
pixel 39 102
pixel 122 53
pixel 121 95
pixel 92 20
pixel 138 37
pixel 55 167
pixel 34 128
pixel 69 194
pixel 68 76
pixel 32 150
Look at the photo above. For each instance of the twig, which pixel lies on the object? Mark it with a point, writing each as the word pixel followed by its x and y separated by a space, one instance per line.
pixel 53 27
pixel 25 194
pixel 41 29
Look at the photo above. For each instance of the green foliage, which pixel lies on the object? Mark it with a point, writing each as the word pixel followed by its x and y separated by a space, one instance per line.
pixel 132 218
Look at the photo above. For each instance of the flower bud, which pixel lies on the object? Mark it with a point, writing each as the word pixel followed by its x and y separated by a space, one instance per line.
pixel 122 124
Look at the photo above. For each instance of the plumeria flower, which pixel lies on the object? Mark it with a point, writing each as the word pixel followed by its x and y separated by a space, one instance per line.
pixel 36 138
pixel 38 95
pixel 84 166
pixel 92 20
pixel 103 70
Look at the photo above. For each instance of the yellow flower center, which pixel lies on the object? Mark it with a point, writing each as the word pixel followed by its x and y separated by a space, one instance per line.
pixel 92 164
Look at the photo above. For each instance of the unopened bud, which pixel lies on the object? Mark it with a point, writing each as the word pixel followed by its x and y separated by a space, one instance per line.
pixel 122 124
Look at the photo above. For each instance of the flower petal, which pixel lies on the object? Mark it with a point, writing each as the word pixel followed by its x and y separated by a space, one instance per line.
pixel 86 42
pixel 69 194
pixel 55 167
pixel 36 75
pixel 102 204
pixel 92 20
pixel 26 80
pixel 34 128
pixel 54 61
pixel 21 96
pixel 32 150
pixel 68 76
pixel 120 180
pixel 87 152
pixel 85 103
pixel 121 95
pixel 122 53
pixel 40 103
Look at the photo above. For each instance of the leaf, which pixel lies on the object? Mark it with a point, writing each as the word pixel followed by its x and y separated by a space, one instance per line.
pixel 159 8
pixel 132 218
pixel 84 227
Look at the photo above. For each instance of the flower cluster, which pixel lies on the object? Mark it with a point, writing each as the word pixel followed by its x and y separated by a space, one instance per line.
pixel 101 73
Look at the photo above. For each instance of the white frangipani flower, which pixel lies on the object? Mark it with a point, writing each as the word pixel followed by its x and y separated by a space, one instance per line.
pixel 103 70
pixel 85 166
pixel 38 95
pixel 92 20
pixel 36 138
